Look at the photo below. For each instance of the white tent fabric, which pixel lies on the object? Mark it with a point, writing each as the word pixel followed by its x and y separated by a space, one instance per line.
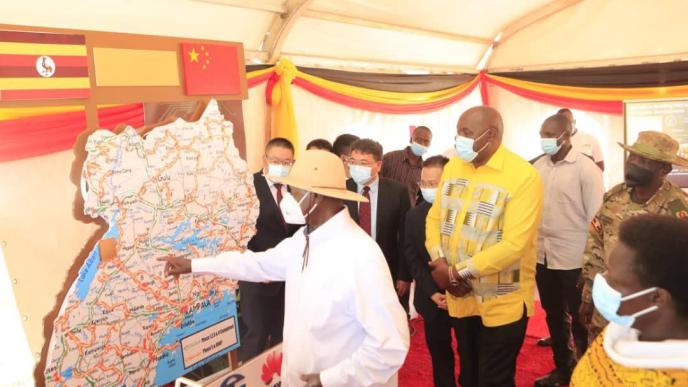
pixel 394 35
pixel 319 118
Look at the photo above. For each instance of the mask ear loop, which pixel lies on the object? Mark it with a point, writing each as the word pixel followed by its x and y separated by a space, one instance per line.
pixel 640 294
pixel 479 137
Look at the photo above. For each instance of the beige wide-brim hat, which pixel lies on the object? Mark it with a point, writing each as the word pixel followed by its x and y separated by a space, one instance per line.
pixel 657 146
pixel 322 173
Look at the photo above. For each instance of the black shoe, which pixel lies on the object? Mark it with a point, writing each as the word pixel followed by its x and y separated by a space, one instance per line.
pixel 545 342
pixel 553 379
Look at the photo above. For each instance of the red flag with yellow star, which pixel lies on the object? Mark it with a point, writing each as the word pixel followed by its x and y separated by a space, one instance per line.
pixel 211 69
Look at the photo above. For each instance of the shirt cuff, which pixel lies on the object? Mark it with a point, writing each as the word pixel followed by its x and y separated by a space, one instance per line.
pixel 202 265
pixel 436 253
pixel 328 377
pixel 467 270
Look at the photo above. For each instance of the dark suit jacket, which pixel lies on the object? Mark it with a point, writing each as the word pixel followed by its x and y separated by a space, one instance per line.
pixel 392 205
pixel 417 259
pixel 270 231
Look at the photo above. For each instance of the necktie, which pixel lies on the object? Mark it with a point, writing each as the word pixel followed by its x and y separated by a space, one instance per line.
pixel 278 187
pixel 364 211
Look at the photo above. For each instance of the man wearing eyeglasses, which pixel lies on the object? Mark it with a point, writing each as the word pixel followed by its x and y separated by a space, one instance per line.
pixel 383 217
pixel 262 304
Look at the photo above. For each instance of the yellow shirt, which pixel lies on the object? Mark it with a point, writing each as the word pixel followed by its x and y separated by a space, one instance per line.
pixel 597 369
pixel 485 219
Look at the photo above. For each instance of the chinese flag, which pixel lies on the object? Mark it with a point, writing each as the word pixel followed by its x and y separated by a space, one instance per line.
pixel 211 69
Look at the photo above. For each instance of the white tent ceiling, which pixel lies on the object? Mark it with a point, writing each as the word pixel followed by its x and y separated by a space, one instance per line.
pixel 395 35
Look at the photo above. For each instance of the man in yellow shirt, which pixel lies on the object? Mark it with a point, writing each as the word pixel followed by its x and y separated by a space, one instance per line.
pixel 481 235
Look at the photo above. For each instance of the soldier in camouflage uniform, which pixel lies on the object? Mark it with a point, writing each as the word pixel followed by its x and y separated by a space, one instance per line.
pixel 645 190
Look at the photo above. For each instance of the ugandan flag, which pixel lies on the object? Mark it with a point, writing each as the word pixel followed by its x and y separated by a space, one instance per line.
pixel 36 65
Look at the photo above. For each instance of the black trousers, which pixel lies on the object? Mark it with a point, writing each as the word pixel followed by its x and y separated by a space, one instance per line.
pixel 560 299
pixel 439 341
pixel 263 318
pixel 487 355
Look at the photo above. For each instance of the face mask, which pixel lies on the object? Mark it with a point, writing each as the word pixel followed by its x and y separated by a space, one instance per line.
pixel 429 194
pixel 278 170
pixel 360 174
pixel 607 300
pixel 464 147
pixel 418 149
pixel 291 209
pixel 637 176
pixel 551 145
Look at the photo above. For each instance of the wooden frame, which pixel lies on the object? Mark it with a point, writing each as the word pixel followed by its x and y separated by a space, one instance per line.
pixel 125 94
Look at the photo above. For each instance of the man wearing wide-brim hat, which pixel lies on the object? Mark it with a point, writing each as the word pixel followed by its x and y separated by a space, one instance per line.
pixel 645 190
pixel 343 323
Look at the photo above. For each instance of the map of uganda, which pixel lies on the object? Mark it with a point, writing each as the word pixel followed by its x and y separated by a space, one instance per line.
pixel 182 191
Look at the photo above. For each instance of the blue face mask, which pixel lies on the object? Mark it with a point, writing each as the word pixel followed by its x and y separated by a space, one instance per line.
pixel 360 174
pixel 429 194
pixel 418 149
pixel 278 170
pixel 551 145
pixel 607 300
pixel 464 147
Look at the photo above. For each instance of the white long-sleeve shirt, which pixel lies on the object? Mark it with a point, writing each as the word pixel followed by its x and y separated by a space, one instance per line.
pixel 342 317
pixel 573 193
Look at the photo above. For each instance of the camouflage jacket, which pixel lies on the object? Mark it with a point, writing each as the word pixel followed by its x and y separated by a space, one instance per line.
pixel 604 228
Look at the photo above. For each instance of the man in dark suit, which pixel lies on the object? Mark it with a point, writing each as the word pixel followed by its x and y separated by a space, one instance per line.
pixel 262 304
pixel 428 299
pixel 383 217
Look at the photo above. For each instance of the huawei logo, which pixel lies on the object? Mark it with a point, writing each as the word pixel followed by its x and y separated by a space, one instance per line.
pixel 272 369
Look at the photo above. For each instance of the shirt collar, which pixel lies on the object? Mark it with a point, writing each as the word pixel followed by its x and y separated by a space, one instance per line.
pixel 332 225
pixel 373 186
pixel 497 159
pixel 570 158
pixel 408 154
pixel 271 183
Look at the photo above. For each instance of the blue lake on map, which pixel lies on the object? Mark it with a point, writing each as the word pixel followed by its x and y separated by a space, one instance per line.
pixel 171 364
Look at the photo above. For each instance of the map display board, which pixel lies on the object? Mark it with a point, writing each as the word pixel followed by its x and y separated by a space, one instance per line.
pixel 183 191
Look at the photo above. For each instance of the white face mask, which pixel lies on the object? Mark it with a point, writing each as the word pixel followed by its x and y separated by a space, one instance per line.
pixel 464 147
pixel 360 174
pixel 429 194
pixel 608 300
pixel 278 170
pixel 291 209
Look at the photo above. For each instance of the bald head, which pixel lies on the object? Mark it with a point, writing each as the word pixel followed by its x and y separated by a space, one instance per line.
pixel 559 122
pixel 484 125
pixel 483 117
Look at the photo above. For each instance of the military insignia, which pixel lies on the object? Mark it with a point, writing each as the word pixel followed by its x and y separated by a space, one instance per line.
pixel 678 209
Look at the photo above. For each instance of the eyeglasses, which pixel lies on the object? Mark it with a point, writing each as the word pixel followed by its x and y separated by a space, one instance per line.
pixel 427 185
pixel 286 163
pixel 350 161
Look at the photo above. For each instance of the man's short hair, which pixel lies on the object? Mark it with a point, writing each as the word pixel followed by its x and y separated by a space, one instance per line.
pixel 422 127
pixel 564 110
pixel 280 142
pixel 438 161
pixel 561 121
pixel 660 243
pixel 342 144
pixel 320 143
pixel 369 147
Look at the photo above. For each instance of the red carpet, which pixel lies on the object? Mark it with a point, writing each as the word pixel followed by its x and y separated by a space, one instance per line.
pixel 533 361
